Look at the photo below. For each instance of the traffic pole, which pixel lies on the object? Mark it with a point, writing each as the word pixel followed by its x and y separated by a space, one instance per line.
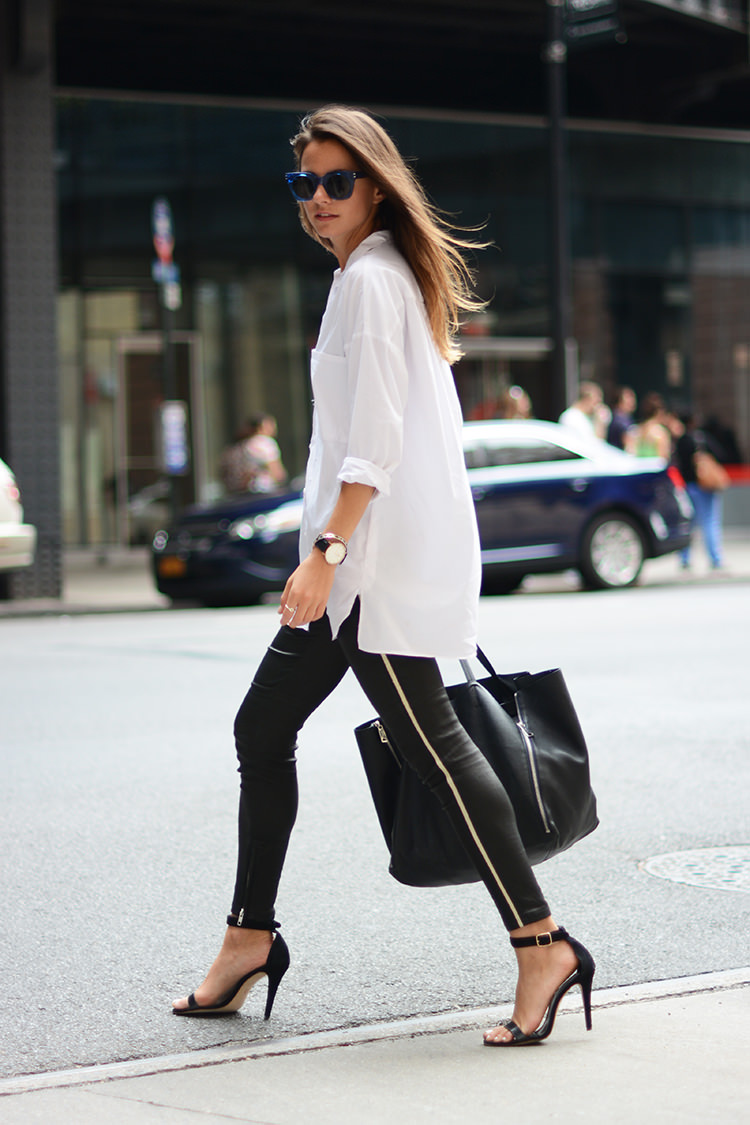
pixel 564 379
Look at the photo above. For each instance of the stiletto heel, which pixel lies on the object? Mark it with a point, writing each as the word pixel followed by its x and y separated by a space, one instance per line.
pixel 275 973
pixel 582 976
pixel 274 968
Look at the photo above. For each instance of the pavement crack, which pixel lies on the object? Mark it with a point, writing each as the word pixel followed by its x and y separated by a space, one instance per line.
pixel 183 1109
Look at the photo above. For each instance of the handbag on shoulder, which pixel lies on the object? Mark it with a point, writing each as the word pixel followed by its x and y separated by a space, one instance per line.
pixel 527 728
pixel 710 474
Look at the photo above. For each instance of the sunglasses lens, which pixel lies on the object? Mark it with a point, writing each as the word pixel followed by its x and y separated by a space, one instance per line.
pixel 338 185
pixel 302 187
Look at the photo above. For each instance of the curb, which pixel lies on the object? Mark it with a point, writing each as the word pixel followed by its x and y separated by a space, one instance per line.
pixel 441 1024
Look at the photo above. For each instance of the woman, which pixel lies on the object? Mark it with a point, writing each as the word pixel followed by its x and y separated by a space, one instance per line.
pixel 252 463
pixel 390 568
pixel 267 472
pixel 514 403
pixel 707 506
pixel 652 437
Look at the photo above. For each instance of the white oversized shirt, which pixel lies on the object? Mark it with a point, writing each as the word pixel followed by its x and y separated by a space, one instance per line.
pixel 386 414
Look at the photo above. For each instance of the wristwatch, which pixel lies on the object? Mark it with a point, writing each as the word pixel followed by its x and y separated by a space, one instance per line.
pixel 334 547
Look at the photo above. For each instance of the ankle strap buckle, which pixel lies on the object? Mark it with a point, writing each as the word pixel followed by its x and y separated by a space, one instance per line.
pixel 543 939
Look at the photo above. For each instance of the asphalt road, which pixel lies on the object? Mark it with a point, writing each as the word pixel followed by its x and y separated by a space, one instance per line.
pixel 118 826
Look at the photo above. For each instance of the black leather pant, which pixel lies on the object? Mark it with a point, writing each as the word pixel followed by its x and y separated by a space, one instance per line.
pixel 300 669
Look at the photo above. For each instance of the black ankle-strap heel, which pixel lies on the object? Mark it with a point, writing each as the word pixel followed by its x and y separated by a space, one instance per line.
pixel 582 976
pixel 276 965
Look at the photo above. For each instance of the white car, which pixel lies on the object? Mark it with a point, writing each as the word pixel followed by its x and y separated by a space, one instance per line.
pixel 17 539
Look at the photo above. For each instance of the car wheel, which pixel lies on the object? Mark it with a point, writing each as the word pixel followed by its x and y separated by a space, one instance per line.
pixel 613 552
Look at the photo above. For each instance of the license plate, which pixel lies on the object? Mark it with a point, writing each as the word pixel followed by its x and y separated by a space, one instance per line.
pixel 171 567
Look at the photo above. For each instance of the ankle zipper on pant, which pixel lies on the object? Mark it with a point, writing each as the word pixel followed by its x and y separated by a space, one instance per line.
pixel 383 735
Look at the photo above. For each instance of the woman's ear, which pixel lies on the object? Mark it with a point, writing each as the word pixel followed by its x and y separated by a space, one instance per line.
pixel 378 195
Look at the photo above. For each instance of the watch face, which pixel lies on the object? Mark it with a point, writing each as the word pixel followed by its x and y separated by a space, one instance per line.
pixel 336 553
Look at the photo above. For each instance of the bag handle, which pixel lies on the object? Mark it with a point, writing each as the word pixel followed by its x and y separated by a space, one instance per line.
pixel 468 671
pixel 484 661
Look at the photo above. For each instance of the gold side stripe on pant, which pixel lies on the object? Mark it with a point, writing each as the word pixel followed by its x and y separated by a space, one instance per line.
pixel 452 784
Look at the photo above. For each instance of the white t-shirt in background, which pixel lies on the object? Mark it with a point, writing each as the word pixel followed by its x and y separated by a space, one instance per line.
pixel 576 420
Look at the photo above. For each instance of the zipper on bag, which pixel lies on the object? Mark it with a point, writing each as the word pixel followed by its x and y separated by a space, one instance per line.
pixel 529 744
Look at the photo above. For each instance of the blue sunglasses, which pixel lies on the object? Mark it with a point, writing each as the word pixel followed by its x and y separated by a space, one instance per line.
pixel 337 185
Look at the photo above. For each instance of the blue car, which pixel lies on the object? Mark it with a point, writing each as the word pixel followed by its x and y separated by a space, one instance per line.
pixel 547 500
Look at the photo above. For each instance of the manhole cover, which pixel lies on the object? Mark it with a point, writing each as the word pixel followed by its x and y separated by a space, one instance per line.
pixel 723 869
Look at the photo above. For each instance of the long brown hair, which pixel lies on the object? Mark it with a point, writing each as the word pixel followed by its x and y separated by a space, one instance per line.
pixel 429 243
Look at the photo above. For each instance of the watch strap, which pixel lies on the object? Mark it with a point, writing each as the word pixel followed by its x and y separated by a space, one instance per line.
pixel 326 538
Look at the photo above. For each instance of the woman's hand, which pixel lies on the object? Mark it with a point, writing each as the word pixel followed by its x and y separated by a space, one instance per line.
pixel 307 591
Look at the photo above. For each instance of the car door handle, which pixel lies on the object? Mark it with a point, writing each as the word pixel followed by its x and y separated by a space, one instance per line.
pixel 579 484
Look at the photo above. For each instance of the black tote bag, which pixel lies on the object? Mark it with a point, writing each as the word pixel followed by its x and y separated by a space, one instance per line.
pixel 526 726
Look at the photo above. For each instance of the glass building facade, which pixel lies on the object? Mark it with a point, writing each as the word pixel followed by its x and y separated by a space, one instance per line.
pixel 660 273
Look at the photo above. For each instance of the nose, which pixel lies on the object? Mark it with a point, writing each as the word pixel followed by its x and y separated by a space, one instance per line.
pixel 320 195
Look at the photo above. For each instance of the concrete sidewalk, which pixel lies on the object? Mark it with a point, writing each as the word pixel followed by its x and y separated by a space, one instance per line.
pixel 664 1052
pixel 119 580
pixel 97 580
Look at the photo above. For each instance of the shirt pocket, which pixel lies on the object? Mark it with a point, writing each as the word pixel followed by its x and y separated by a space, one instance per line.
pixel 329 377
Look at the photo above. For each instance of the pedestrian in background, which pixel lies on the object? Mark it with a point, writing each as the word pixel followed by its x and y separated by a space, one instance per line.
pixel 707 504
pixel 621 423
pixel 252 463
pixel 514 403
pixel 390 567
pixel 652 437
pixel 267 472
pixel 587 415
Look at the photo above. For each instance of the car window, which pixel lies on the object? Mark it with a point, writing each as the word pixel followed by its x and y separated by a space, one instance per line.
pixel 516 453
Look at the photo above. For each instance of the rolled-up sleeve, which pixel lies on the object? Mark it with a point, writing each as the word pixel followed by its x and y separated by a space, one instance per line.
pixel 356 471
pixel 377 381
